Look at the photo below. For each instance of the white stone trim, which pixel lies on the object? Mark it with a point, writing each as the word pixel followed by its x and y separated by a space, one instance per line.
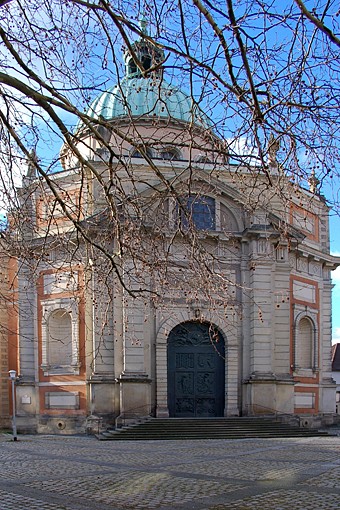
pixel 231 360
pixel 61 383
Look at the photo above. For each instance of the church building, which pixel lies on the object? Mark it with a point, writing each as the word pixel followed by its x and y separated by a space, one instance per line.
pixel 158 278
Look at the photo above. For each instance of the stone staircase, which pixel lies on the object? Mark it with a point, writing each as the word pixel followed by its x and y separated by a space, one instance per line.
pixel 207 428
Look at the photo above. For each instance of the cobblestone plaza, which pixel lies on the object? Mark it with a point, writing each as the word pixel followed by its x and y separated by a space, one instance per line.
pixel 81 473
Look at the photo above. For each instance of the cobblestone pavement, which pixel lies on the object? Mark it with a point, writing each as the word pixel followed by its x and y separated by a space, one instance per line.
pixel 81 473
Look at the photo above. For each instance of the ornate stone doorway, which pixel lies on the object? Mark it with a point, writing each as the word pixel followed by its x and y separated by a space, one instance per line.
pixel 195 371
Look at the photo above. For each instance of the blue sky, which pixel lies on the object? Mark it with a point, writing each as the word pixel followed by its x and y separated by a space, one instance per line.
pixel 335 249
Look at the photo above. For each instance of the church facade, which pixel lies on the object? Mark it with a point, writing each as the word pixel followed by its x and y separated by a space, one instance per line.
pixel 162 279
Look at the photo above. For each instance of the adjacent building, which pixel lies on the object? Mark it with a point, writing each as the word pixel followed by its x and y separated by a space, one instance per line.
pixel 336 373
pixel 8 333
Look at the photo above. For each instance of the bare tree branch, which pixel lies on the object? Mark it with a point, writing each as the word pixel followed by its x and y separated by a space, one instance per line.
pixel 318 23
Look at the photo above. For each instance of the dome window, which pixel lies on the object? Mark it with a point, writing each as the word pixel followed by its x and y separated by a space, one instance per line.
pixel 146 62
pixel 134 71
pixel 136 153
pixel 132 68
pixel 170 154
pixel 203 159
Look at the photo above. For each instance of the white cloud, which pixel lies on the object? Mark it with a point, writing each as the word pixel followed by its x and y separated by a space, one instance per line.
pixel 336 336
pixel 336 275
pixel 242 147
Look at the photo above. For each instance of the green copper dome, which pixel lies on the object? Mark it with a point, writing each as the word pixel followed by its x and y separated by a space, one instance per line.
pixel 151 98
pixel 143 92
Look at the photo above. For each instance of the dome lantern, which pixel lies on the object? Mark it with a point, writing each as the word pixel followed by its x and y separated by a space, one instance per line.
pixel 147 53
pixel 146 95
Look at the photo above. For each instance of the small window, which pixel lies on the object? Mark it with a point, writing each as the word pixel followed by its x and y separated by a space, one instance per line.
pixel 146 62
pixel 132 67
pixel 200 212
pixel 170 154
pixel 203 159
pixel 137 154
pixel 103 132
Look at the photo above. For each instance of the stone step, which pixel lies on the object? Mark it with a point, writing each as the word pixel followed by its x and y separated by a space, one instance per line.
pixel 206 428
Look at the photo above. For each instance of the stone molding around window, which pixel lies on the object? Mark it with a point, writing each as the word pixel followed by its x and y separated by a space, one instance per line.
pixel 70 306
pixel 311 315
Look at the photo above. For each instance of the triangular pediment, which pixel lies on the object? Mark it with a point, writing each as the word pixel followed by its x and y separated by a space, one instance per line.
pixel 197 181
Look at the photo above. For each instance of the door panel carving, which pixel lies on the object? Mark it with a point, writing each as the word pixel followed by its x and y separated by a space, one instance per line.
pixel 185 360
pixel 184 383
pixel 195 371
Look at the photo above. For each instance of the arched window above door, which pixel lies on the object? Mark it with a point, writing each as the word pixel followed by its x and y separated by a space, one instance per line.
pixel 198 211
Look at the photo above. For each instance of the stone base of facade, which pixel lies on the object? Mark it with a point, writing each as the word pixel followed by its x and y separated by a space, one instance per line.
pixel 162 412
pixel 93 424
pixel 327 400
pixel 5 422
pixel 27 424
pixel 63 425
pixel 104 396
pixel 268 394
pixel 135 397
